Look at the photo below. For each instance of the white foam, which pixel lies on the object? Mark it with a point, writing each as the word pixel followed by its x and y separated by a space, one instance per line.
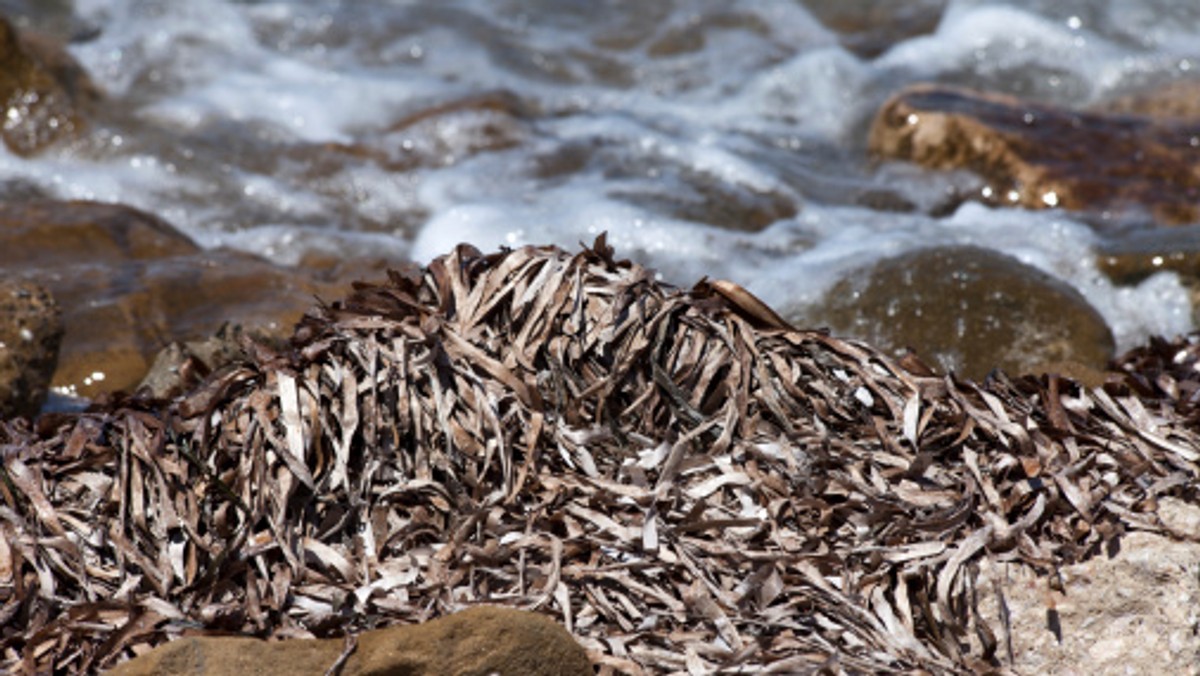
pixel 574 214
pixel 189 39
pixel 996 36
pixel 818 91
pixel 763 100
pixel 137 180
pixel 286 244
pixel 995 43
pixel 264 191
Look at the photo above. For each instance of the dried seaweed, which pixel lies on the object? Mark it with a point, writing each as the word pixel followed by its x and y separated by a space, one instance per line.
pixel 682 479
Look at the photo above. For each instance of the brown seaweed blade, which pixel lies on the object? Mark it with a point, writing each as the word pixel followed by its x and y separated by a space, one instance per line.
pixel 685 482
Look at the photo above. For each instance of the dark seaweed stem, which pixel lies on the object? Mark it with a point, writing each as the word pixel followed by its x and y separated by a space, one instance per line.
pixel 681 479
pixel 182 446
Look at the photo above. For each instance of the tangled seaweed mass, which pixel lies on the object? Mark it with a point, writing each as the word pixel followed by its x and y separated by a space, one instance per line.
pixel 679 477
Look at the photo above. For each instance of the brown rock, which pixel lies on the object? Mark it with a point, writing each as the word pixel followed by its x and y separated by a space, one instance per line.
pixel 868 28
pixel 182 365
pixel 31 331
pixel 449 132
pixel 967 310
pixel 50 234
pixel 705 198
pixel 478 641
pixel 43 91
pixel 1133 266
pixel 1178 100
pixel 1133 260
pixel 128 284
pixel 1039 156
pixel 693 36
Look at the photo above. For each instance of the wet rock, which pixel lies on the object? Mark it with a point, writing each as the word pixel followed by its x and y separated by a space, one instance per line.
pixel 1131 267
pixel 693 36
pixel 50 17
pixel 182 365
pixel 1039 156
pixel 1134 612
pixel 128 284
pixel 868 28
pixel 1178 100
pixel 885 199
pixel 43 90
pixel 1131 260
pixel 678 191
pixel 31 331
pixel 481 640
pixel 967 310
pixel 327 170
pixel 436 136
pixel 449 132
pixel 703 198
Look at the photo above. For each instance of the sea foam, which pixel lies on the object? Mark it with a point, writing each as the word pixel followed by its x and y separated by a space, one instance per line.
pixel 658 107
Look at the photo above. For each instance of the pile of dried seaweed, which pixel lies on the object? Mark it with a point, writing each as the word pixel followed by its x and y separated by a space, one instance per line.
pixel 683 480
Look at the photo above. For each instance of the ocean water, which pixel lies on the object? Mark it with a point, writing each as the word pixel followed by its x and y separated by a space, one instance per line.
pixel 721 138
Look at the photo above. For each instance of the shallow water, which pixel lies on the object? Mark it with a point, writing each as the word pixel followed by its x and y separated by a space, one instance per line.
pixel 725 139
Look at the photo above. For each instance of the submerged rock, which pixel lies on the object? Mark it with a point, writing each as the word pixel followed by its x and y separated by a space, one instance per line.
pixel 449 132
pixel 480 640
pixel 31 331
pixel 968 310
pixel 128 284
pixel 43 91
pixel 704 198
pixel 870 28
pixel 1039 156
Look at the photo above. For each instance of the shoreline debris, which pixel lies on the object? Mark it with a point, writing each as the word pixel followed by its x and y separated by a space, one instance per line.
pixel 682 482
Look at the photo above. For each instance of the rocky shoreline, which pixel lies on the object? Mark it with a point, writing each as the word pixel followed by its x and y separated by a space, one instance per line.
pixel 680 478
pixel 129 284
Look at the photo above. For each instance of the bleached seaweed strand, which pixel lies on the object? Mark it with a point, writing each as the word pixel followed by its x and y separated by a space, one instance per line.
pixel 294 452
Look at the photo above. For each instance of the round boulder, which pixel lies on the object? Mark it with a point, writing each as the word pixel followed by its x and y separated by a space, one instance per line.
pixel 968 310
pixel 477 641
